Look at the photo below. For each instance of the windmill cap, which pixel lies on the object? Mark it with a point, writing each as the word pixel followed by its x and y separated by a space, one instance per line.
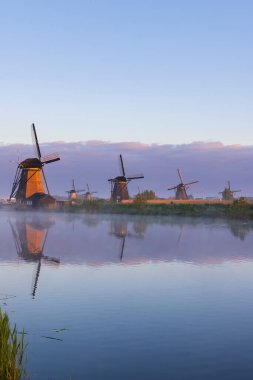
pixel 31 163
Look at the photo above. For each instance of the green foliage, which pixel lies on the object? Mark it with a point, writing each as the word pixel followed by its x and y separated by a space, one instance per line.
pixel 148 194
pixel 139 201
pixel 11 351
pixel 241 202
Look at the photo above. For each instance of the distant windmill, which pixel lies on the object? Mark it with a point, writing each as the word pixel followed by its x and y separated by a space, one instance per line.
pixel 119 190
pixel 228 194
pixel 72 193
pixel 181 188
pixel 88 196
pixel 28 180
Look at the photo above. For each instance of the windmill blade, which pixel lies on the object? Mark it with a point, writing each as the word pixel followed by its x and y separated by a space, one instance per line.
pixel 122 248
pixel 88 188
pixel 111 179
pixel 53 260
pixel 51 158
pixel 190 183
pixel 36 142
pixel 36 279
pixel 172 188
pixel 122 166
pixel 45 180
pixel 44 242
pixel 180 176
pixel 136 176
pixel 229 185
pixel 235 191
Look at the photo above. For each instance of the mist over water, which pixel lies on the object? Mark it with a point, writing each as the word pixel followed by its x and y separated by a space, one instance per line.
pixel 105 296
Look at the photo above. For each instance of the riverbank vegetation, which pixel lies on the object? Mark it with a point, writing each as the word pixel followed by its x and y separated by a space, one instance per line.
pixel 239 209
pixel 12 351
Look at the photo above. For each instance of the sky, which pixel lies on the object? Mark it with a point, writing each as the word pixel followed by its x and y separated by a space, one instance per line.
pixel 146 71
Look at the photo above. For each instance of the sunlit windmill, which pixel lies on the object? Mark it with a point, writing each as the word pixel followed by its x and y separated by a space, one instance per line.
pixel 30 178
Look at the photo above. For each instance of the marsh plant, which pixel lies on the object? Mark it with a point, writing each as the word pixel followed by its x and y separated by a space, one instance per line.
pixel 12 351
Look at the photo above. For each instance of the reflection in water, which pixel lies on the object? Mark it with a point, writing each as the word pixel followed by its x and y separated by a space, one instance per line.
pixel 119 228
pixel 240 230
pixel 110 295
pixel 30 236
pixel 84 238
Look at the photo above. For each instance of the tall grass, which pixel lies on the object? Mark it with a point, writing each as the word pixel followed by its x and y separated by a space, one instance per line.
pixel 11 351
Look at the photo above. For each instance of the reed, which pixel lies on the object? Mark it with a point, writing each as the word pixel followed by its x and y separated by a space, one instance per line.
pixel 12 351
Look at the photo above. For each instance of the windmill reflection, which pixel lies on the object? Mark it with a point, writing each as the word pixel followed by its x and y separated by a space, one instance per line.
pixel 240 230
pixel 30 236
pixel 119 228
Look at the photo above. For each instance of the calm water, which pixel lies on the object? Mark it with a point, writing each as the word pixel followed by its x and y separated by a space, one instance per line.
pixel 114 297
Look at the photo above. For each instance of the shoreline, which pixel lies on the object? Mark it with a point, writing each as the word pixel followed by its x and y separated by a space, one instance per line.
pixel 239 209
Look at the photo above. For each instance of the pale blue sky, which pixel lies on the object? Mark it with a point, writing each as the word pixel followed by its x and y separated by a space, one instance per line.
pixel 127 70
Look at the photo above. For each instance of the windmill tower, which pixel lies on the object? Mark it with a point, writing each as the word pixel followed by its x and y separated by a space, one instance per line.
pixel 88 196
pixel 28 178
pixel 181 188
pixel 119 190
pixel 228 194
pixel 72 193
pixel 30 237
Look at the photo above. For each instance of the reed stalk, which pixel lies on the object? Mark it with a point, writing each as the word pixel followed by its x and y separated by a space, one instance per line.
pixel 12 351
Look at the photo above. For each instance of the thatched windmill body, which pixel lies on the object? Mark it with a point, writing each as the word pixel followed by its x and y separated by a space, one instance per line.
pixel 228 194
pixel 119 188
pixel 181 188
pixel 30 178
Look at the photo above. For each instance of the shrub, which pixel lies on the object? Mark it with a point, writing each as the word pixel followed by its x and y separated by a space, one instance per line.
pixel 241 202
pixel 139 201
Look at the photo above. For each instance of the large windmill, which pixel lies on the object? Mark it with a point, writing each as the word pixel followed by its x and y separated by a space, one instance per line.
pixel 228 194
pixel 30 236
pixel 30 177
pixel 181 188
pixel 119 190
pixel 72 193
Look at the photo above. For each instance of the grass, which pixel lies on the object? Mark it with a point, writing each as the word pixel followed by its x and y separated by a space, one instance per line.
pixel 11 351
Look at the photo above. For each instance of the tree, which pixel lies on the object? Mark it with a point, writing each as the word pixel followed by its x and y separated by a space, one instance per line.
pixel 148 194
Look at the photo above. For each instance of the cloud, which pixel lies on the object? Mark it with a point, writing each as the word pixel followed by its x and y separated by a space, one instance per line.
pixel 93 162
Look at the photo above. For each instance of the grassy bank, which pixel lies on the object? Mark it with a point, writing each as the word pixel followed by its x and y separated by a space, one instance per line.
pixel 239 209
pixel 11 351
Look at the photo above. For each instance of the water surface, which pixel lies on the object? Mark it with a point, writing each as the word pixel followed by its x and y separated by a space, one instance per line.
pixel 116 297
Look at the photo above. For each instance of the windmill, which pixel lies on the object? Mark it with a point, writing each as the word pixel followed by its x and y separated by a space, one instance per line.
pixel 181 189
pixel 28 178
pixel 88 195
pixel 228 194
pixel 30 237
pixel 119 190
pixel 72 193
